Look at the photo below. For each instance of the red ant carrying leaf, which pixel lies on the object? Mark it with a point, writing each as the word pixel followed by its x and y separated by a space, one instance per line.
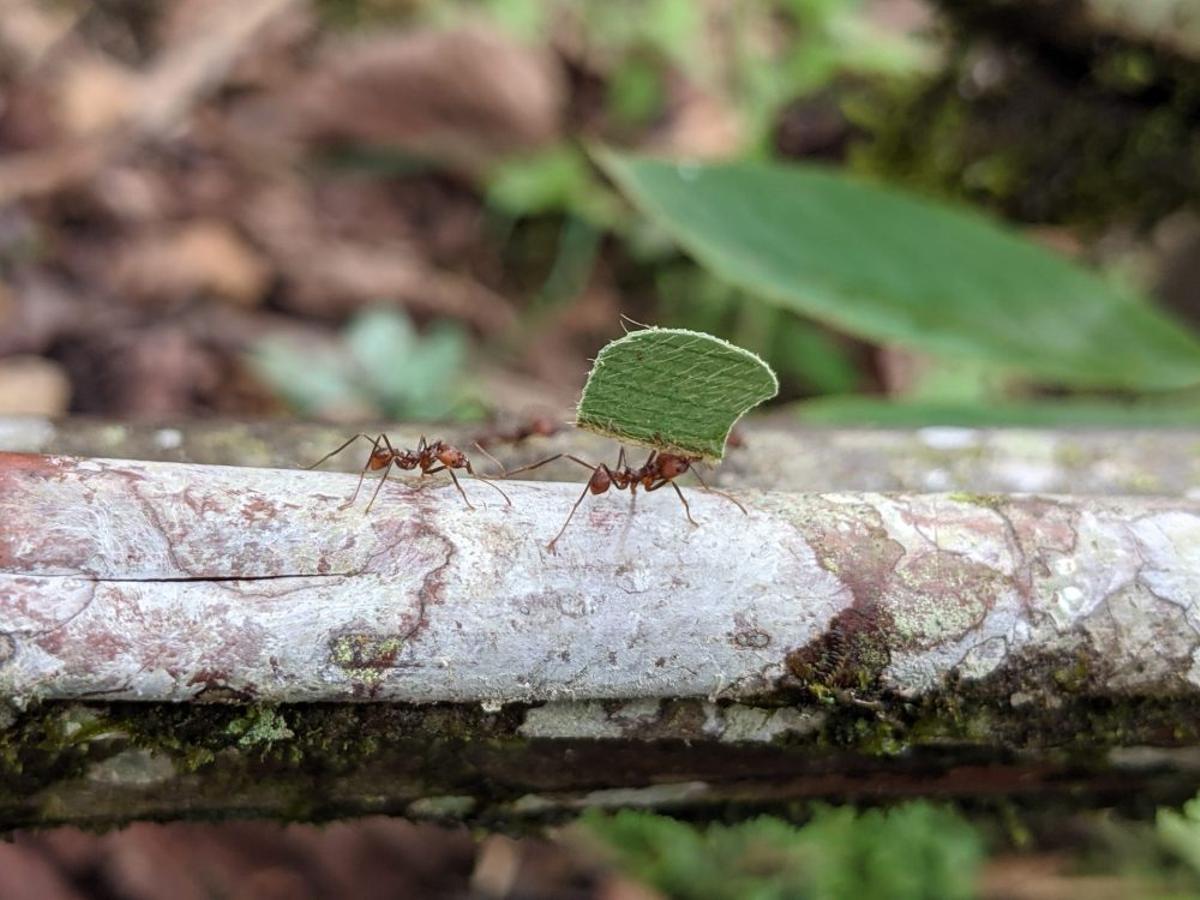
pixel 659 470
pixel 430 458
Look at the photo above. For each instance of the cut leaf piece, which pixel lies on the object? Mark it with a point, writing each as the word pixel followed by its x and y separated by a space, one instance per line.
pixel 889 266
pixel 674 390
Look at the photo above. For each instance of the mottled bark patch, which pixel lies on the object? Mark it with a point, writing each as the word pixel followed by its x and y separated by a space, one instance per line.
pixel 852 543
pixel 940 596
pixel 8 647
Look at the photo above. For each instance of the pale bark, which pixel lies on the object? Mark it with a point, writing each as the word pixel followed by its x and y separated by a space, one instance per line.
pixel 155 581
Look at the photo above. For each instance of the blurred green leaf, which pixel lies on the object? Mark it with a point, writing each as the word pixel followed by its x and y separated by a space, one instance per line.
pixel 886 265
pixel 314 382
pixel 381 363
pixel 635 92
pixel 795 348
pixel 955 381
pixel 908 853
pixel 526 19
pixel 1180 832
pixel 554 181
pixel 672 389
pixel 878 411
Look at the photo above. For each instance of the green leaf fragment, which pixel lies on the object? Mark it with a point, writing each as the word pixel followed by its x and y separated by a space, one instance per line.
pixel 674 390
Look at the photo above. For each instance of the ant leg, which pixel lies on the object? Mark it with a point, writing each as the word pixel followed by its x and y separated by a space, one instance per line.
pixel 363 474
pixel 550 459
pixel 488 482
pixel 374 447
pixel 687 510
pixel 536 465
pixel 554 540
pixel 713 490
pixel 378 487
pixel 454 478
pixel 499 465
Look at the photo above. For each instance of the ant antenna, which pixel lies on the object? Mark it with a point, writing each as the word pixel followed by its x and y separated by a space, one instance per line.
pixel 499 465
pixel 713 490
pixel 333 453
pixel 625 318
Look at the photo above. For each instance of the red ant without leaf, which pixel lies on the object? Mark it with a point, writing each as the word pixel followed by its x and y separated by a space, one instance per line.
pixel 659 470
pixel 430 458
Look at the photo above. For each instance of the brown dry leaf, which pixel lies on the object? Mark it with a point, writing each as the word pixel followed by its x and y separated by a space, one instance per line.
pixel 27 876
pixel 618 887
pixel 273 57
pixel 41 311
pixel 163 370
pixel 703 125
pixel 459 97
pixel 363 275
pixel 327 274
pixel 29 29
pixel 94 95
pixel 134 193
pixel 187 71
pixel 1047 877
pixel 33 386
pixel 202 257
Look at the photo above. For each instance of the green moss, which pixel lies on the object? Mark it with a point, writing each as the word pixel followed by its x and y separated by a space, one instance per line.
pixel 988 501
pixel 365 657
pixel 1115 142
pixel 261 726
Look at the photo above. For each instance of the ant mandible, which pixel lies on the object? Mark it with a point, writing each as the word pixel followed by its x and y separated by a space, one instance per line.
pixel 659 470
pixel 429 457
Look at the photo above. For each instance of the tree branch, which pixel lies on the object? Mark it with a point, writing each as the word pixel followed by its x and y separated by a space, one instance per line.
pixel 825 644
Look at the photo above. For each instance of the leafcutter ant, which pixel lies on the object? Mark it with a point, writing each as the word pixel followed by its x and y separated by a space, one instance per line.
pixel 659 470
pixel 429 457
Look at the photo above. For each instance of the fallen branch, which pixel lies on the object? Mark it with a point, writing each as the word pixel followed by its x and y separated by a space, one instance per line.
pixel 824 645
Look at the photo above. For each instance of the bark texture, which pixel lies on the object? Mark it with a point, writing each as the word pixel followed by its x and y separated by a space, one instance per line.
pixel 840 645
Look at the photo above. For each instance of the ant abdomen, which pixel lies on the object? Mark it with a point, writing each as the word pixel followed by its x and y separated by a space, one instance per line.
pixel 600 481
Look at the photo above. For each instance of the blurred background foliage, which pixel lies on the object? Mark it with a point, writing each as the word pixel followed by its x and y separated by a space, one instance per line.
pixel 425 170
pixel 393 209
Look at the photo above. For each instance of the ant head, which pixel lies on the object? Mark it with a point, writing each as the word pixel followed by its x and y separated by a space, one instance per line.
pixel 450 457
pixel 672 466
